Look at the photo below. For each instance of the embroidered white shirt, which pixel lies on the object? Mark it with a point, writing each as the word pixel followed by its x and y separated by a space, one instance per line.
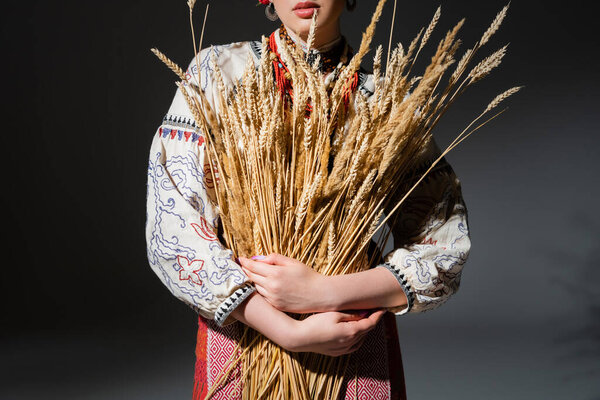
pixel 431 235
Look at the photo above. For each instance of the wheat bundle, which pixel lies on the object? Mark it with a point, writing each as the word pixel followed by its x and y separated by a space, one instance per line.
pixel 316 186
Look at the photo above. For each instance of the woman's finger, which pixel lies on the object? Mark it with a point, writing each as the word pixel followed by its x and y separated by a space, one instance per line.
pixel 278 259
pixel 377 315
pixel 348 316
pixel 258 267
pixel 349 347
pixel 366 324
pixel 261 290
pixel 256 278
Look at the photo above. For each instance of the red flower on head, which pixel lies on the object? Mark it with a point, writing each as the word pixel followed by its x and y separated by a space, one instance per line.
pixel 264 2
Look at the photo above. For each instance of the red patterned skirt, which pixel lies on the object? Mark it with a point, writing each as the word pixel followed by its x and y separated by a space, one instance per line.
pixel 375 370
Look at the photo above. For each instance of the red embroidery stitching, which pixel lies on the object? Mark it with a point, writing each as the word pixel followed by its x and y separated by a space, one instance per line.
pixel 204 231
pixel 189 269
pixel 429 241
pixel 181 134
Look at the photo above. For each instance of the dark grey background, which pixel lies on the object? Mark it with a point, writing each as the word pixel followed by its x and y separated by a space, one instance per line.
pixel 83 316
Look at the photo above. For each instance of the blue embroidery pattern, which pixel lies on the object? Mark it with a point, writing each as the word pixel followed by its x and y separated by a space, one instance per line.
pixel 429 219
pixel 174 185
pixel 206 69
pixel 186 176
pixel 450 264
pixel 181 135
pixel 167 248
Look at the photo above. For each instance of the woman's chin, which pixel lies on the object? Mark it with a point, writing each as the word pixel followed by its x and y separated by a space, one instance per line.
pixel 300 28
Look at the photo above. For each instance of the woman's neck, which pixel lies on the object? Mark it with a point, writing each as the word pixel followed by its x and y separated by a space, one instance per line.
pixel 325 38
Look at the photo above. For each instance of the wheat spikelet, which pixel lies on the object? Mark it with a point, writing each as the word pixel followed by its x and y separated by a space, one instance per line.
pixel 191 103
pixel 354 63
pixel 461 65
pixel 279 195
pixel 446 48
pixel 364 188
pixel 331 242
pixel 353 171
pixel 400 51
pixel 307 196
pixel 257 242
pixel 308 130
pixel 486 66
pixel 430 28
pixel 191 4
pixel 494 26
pixel 251 90
pixel 373 227
pixel 501 97
pixel 170 64
pixel 311 33
pixel 377 72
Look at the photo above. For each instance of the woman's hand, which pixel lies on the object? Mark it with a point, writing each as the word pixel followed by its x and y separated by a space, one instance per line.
pixel 332 333
pixel 329 333
pixel 288 284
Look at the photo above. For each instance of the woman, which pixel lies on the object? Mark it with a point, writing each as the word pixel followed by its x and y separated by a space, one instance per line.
pixel 184 249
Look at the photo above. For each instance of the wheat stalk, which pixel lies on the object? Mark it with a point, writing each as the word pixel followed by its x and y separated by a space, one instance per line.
pixel 501 97
pixel 486 66
pixel 430 28
pixel 170 64
pixel 494 26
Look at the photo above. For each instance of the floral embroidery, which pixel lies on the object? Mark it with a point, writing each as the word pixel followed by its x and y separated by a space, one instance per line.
pixel 189 269
pixel 204 231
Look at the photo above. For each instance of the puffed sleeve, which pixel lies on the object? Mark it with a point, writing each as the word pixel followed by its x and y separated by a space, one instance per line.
pixel 431 239
pixel 181 229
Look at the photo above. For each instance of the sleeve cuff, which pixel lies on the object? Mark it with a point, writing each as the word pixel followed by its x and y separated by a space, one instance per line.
pixel 231 303
pixel 406 288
